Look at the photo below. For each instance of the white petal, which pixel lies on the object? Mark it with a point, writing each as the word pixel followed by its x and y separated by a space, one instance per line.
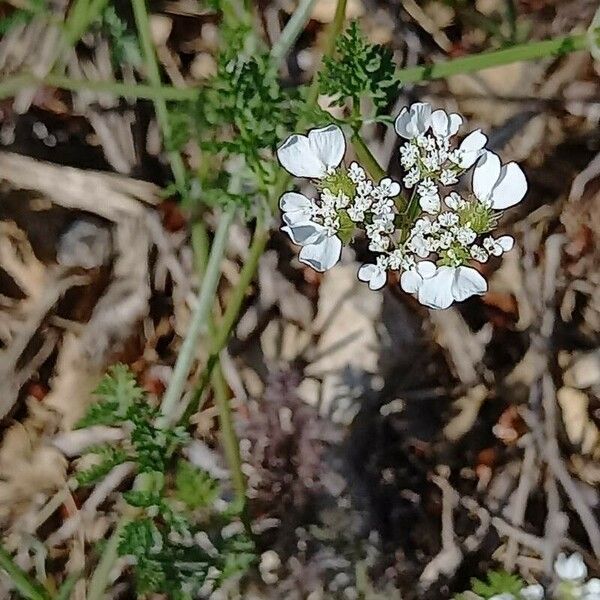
pixel 467 282
pixel 393 187
pixel 328 144
pixel 366 271
pixel 411 122
pixel 439 122
pixel 378 280
pixel 532 592
pixel 471 148
pixel 421 116
pixel 402 123
pixel 292 201
pixel 592 586
pixel 455 122
pixel 510 188
pixel 486 175
pixel 506 242
pixel 305 233
pixel 410 281
pixel 426 269
pixel 298 158
pixel 430 204
pixel 445 125
pixel 570 568
pixel 322 255
pixel 296 208
pixel 435 292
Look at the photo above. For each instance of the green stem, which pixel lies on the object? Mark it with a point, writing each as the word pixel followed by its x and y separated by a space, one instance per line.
pixel 199 319
pixel 26 586
pixel 366 157
pixel 99 579
pixel 234 304
pixel 230 441
pixel 81 16
pixel 142 19
pixel 101 574
pixel 468 64
pixel 292 30
pixel 10 85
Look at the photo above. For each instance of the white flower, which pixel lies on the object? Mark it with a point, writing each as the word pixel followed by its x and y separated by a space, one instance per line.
pixel 388 188
pixel 376 274
pixel 532 592
pixel 498 246
pixel 454 201
pixel 320 250
pixel 356 173
pixel 412 279
pixel 296 208
pixel 447 285
pixel 591 589
pixel 427 188
pixel 498 186
pixel 364 188
pixel 470 149
pixel 396 259
pixel 430 204
pixel 379 243
pixel 448 177
pixel 409 155
pixel 478 253
pixel 447 219
pixel 412 177
pixel 570 568
pixel 503 596
pixel 314 155
pixel 465 235
pixel 420 246
pixel 444 125
pixel 413 121
pixel 445 240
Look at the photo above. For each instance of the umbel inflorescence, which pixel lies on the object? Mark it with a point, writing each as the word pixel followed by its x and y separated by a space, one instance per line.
pixel 430 231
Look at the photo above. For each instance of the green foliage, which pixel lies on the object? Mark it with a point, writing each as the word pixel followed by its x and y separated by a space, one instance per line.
pixel 168 561
pixel 117 391
pixel 108 458
pixel 194 487
pixel 358 70
pixel 241 114
pixel 498 582
pixel 123 43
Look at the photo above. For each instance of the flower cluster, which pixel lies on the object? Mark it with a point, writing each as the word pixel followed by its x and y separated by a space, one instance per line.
pixel 430 233
pixel 572 573
pixel 570 584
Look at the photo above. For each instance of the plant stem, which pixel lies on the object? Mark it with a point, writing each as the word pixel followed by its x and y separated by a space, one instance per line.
pixel 26 586
pixel 142 20
pixel 230 441
pixel 468 64
pixel 101 574
pixel 199 319
pixel 234 304
pixel 80 17
pixel 366 157
pixel 10 85
pixel 292 30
